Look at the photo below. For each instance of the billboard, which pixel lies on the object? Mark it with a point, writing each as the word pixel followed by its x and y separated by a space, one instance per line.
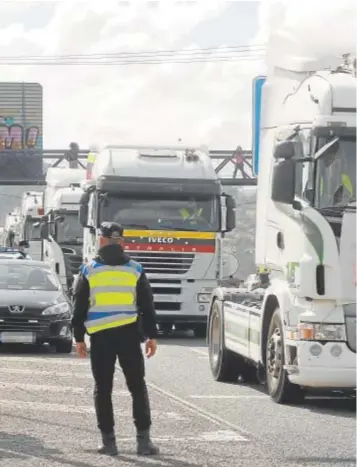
pixel 21 127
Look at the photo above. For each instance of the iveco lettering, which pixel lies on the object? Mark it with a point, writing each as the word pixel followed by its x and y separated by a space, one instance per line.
pixel 160 240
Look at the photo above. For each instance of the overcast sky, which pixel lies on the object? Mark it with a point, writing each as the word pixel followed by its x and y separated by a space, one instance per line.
pixel 201 103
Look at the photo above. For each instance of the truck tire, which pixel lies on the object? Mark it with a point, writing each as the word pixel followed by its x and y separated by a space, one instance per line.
pixel 224 364
pixel 280 389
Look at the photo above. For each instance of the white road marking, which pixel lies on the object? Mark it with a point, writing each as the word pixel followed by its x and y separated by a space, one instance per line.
pixel 199 352
pixel 53 373
pixel 51 360
pixel 221 436
pixel 76 409
pixel 219 396
pixel 199 411
pixel 51 388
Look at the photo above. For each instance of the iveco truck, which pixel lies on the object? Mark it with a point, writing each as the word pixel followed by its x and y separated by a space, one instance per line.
pixel 295 328
pixel 170 203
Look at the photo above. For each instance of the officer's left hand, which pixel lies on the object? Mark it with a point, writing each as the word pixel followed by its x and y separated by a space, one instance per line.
pixel 150 347
pixel 81 349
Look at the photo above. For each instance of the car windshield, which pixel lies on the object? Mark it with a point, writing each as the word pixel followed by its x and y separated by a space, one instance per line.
pixel 336 175
pixel 69 231
pixel 194 213
pixel 32 231
pixel 19 276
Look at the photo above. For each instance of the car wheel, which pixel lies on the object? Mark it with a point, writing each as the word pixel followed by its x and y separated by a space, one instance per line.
pixel 64 346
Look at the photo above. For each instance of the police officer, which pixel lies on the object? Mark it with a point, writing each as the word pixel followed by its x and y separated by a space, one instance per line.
pixel 112 302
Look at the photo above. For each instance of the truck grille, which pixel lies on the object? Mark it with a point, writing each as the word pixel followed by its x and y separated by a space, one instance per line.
pixel 163 262
pixel 19 323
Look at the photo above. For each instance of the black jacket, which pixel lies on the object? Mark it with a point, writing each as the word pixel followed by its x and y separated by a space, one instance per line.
pixel 113 255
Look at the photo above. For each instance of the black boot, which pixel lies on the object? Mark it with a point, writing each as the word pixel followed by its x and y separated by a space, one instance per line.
pixel 145 446
pixel 109 446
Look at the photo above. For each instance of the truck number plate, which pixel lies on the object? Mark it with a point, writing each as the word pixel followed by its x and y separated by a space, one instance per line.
pixel 17 337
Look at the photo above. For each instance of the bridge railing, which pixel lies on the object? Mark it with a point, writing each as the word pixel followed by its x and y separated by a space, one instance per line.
pixel 28 167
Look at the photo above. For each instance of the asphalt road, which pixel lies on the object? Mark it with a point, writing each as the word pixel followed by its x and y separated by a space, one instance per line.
pixel 47 417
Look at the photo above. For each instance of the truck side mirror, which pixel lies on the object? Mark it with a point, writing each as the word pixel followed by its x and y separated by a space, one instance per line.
pixel 283 184
pixel 83 215
pixel 44 231
pixel 230 213
pixel 24 244
pixel 285 150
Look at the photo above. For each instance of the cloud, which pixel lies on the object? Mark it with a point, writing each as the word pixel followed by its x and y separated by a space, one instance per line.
pixel 313 29
pixel 202 103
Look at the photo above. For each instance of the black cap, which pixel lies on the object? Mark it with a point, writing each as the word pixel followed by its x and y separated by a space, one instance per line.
pixel 111 230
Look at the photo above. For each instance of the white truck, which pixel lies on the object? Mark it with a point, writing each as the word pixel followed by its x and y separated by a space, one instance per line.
pixel 297 330
pixel 11 230
pixel 170 203
pixel 31 213
pixel 61 232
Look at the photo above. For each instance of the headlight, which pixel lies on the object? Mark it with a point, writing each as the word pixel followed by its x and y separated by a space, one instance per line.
pixel 58 309
pixel 204 298
pixel 321 332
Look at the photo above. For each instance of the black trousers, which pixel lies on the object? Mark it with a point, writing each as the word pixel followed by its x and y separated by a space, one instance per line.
pixel 106 346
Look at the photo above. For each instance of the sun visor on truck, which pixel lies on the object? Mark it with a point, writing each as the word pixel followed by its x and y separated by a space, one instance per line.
pixel 130 185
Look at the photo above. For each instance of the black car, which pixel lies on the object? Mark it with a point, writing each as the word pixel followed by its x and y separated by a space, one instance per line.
pixel 34 308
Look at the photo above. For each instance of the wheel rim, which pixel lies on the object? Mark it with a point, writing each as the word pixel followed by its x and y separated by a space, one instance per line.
pixel 215 340
pixel 274 358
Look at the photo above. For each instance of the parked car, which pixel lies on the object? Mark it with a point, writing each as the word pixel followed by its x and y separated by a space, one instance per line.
pixel 13 253
pixel 34 308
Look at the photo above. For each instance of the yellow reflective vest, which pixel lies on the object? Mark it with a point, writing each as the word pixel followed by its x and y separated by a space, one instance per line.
pixel 91 158
pixel 186 214
pixel 112 295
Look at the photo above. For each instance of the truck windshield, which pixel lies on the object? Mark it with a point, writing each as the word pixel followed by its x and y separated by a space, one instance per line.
pixel 32 231
pixel 336 174
pixel 69 231
pixel 194 213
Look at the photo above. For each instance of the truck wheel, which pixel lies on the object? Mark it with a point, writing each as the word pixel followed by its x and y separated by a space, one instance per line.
pixel 280 389
pixel 200 331
pixel 64 346
pixel 224 364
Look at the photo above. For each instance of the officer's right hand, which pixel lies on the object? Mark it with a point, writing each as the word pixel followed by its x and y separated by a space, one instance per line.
pixel 81 349
pixel 150 347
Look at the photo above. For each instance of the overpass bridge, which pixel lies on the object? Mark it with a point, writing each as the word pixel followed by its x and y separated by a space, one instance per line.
pixel 28 167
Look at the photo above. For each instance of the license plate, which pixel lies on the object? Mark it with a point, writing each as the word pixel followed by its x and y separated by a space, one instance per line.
pixel 17 337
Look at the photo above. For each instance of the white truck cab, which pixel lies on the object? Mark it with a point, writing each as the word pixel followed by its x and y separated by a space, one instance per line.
pixel 170 203
pixel 60 229
pixel 299 327
pixel 31 213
